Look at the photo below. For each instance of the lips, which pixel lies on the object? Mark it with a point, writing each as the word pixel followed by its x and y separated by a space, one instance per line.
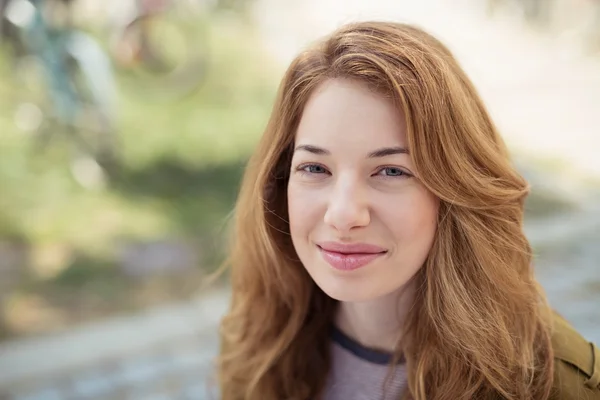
pixel 349 257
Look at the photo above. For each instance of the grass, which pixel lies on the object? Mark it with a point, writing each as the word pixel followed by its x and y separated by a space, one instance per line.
pixel 182 161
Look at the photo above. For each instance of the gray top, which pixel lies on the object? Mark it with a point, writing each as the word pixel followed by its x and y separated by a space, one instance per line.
pixel 359 373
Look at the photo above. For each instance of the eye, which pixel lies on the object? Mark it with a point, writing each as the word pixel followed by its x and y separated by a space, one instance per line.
pixel 312 169
pixel 392 172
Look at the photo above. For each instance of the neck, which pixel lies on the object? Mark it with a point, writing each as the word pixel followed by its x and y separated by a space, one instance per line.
pixel 376 323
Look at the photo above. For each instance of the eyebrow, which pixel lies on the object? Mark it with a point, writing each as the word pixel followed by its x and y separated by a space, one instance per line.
pixel 383 152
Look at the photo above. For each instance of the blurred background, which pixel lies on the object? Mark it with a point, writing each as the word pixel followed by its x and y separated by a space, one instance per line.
pixel 124 129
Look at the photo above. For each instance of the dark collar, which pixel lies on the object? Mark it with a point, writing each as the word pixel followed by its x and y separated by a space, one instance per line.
pixel 360 351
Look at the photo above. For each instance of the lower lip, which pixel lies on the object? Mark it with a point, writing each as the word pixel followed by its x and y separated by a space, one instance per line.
pixel 348 262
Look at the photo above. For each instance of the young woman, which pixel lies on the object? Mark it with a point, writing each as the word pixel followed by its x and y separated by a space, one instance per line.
pixel 379 251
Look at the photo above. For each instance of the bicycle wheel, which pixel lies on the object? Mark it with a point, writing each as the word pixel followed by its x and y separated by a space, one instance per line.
pixel 166 53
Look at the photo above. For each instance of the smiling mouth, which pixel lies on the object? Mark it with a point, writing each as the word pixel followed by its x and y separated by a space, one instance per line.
pixel 349 261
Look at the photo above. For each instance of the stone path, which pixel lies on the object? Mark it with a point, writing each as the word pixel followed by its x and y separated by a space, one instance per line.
pixel 164 353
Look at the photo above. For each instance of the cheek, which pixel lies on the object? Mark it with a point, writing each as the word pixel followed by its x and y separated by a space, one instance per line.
pixel 413 217
pixel 303 211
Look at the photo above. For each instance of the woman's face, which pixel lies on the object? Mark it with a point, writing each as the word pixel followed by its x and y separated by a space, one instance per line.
pixel 362 224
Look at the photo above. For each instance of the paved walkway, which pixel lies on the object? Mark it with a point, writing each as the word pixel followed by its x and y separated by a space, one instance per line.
pixel 164 353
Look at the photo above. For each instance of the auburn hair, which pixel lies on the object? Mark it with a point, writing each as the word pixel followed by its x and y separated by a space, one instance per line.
pixel 480 326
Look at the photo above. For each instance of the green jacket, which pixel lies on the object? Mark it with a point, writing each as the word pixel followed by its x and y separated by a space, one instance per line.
pixel 577 364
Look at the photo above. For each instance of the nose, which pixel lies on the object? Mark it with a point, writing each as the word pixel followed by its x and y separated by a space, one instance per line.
pixel 347 207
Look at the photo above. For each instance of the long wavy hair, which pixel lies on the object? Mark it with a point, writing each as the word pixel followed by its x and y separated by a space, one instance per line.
pixel 480 326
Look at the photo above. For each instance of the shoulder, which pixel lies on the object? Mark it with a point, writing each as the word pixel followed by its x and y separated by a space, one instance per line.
pixel 577 364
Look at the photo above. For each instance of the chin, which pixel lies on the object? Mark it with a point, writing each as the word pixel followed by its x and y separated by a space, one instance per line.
pixel 342 291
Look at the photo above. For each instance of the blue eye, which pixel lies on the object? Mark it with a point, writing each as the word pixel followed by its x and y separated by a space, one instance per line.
pixel 313 169
pixel 392 172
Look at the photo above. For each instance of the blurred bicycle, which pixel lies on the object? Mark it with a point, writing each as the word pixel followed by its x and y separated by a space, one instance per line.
pixel 164 44
pixel 66 85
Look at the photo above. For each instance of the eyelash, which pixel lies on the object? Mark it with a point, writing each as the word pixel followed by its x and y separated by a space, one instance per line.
pixel 302 169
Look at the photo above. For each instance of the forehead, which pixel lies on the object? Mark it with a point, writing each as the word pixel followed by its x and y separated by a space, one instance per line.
pixel 348 110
